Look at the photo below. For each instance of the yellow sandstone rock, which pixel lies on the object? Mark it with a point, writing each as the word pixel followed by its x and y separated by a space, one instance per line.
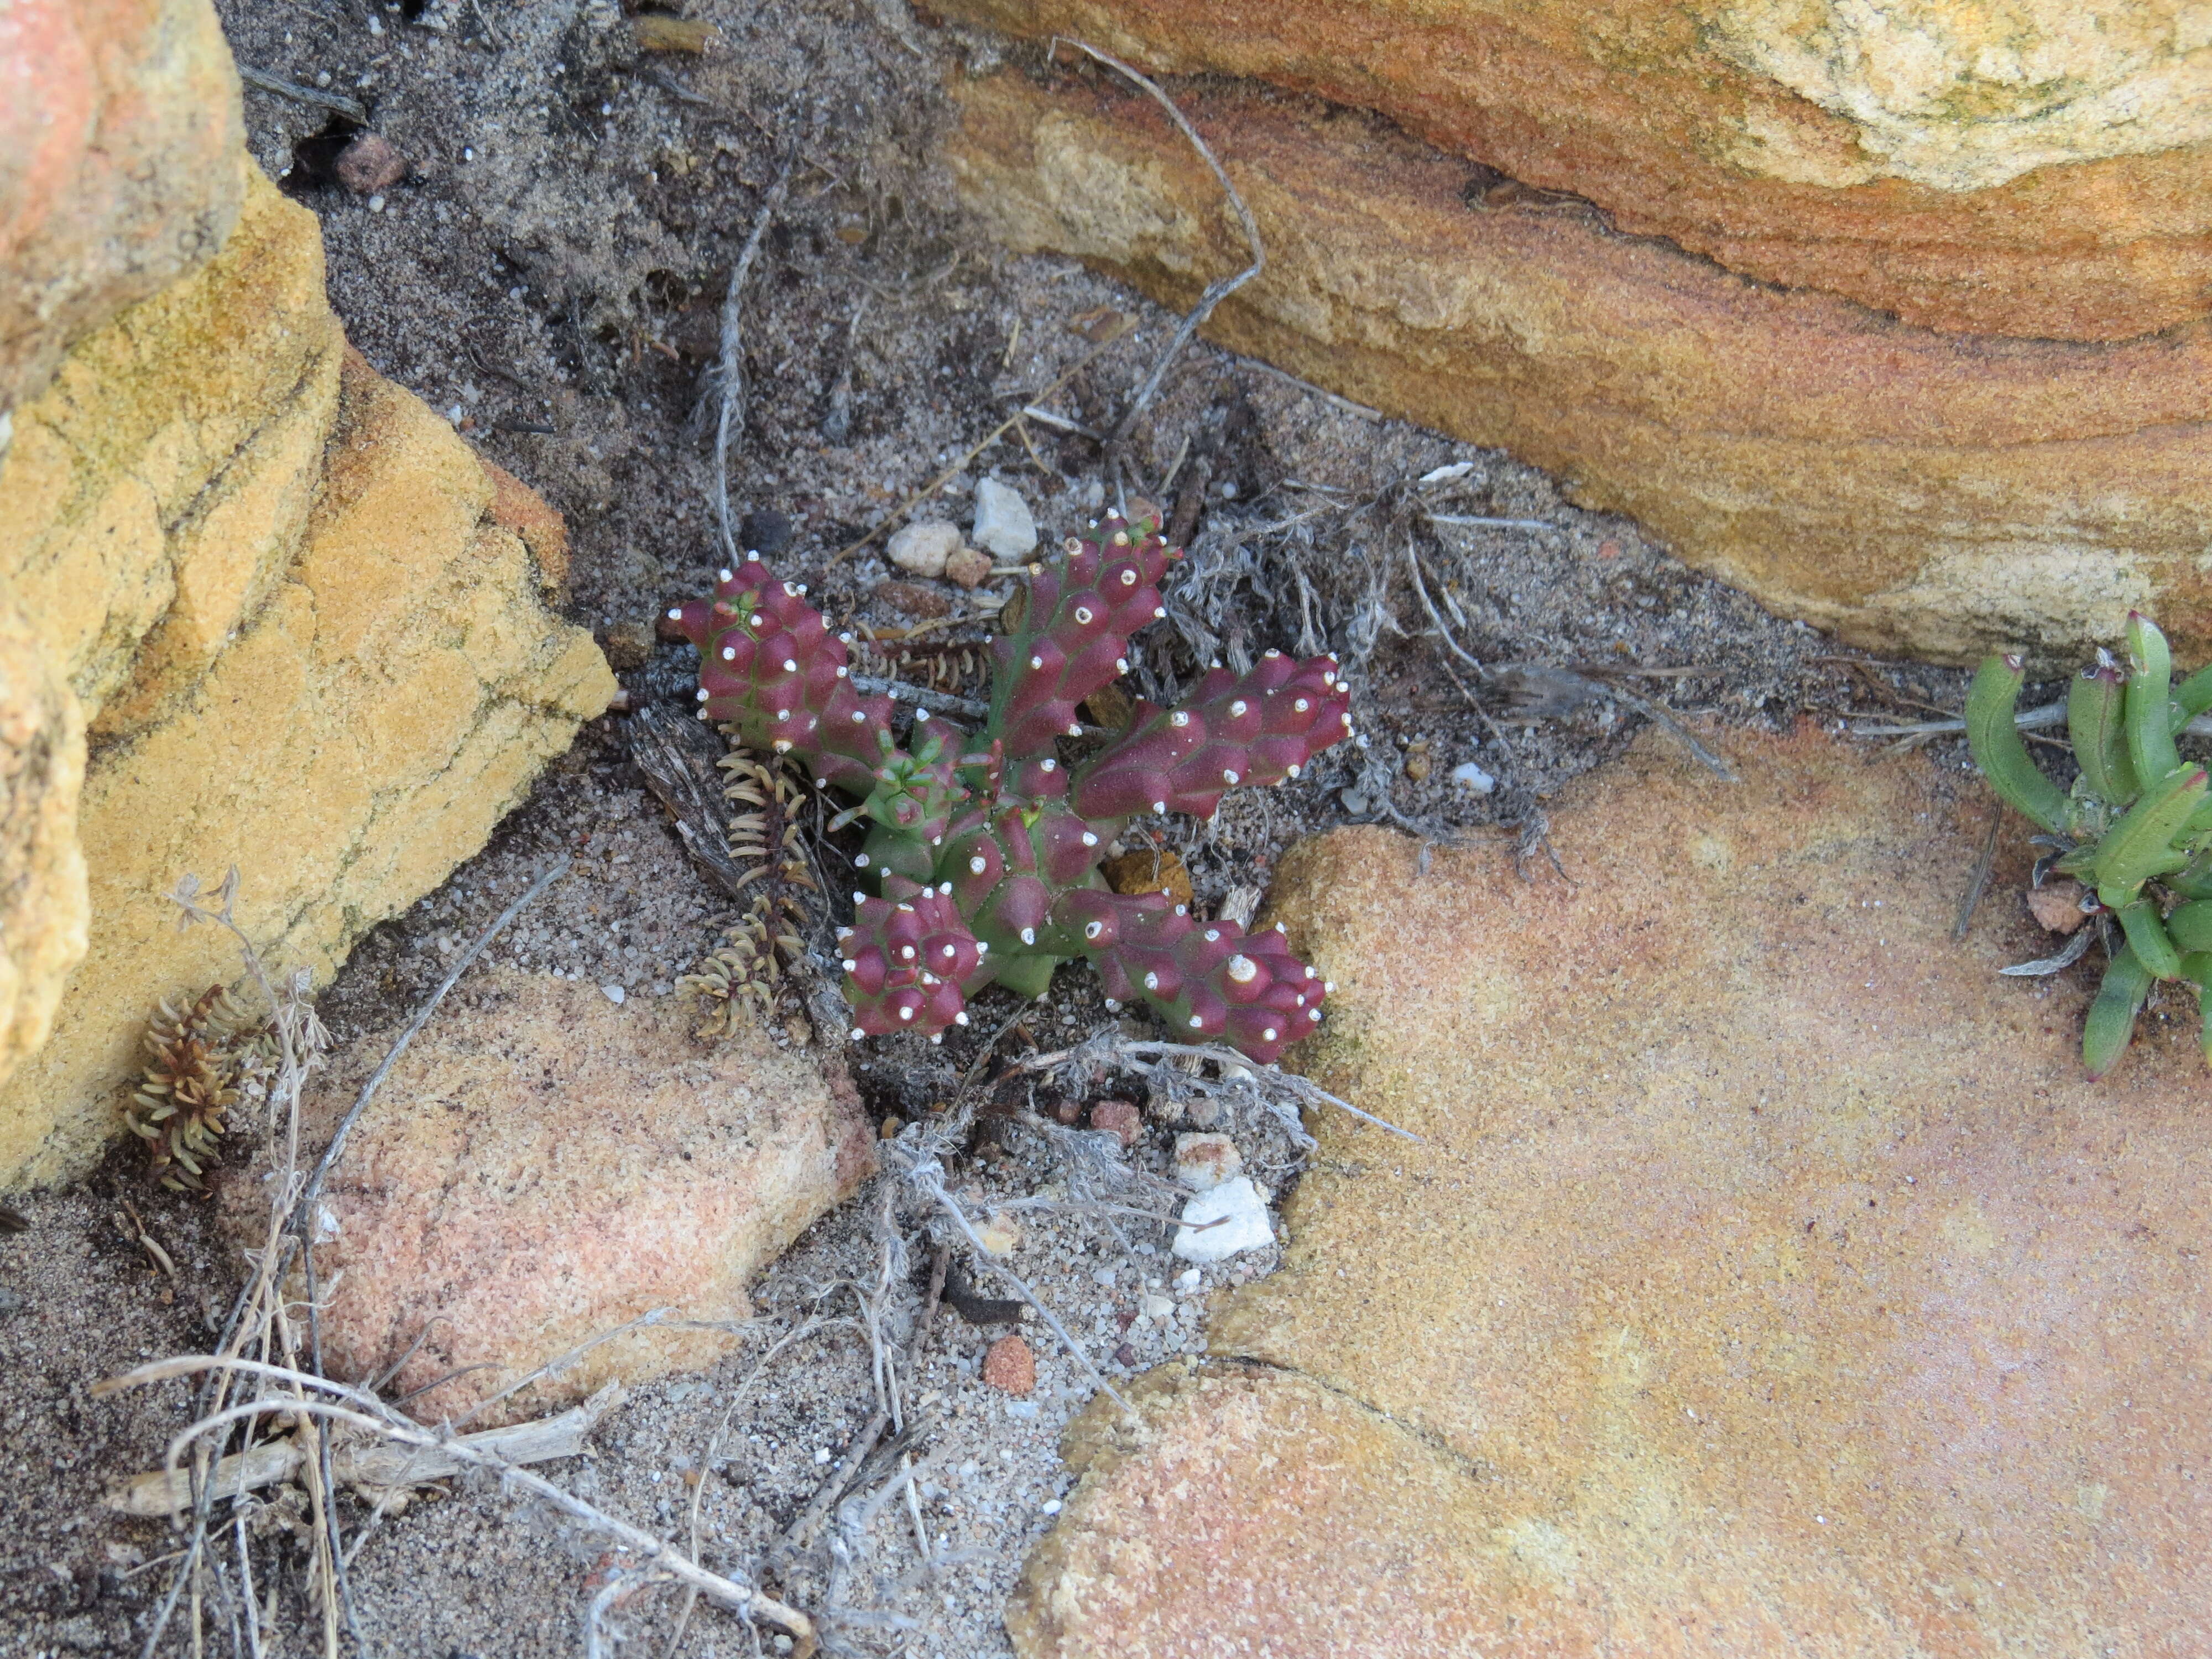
pixel 301 623
pixel 1939 495
pixel 43 907
pixel 119 134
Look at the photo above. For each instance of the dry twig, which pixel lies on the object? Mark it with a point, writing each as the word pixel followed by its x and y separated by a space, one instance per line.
pixel 1216 291
pixel 364 1411
pixel 729 376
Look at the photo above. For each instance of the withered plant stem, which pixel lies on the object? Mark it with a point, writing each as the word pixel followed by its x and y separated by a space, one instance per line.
pixel 730 366
pixel 1216 291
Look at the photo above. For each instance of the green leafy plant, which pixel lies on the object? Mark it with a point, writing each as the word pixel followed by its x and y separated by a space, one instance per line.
pixel 2136 827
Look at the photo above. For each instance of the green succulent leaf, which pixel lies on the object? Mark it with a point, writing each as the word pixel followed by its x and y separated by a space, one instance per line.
pixel 2190 926
pixel 2111 1020
pixel 2148 939
pixel 2095 719
pixel 2150 700
pixel 2194 879
pixel 1997 749
pixel 2141 845
pixel 2192 696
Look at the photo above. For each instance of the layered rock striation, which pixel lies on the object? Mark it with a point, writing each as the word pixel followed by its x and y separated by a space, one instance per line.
pixel 1936 494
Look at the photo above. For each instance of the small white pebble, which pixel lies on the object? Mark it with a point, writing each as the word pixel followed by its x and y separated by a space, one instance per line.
pixel 615 994
pixel 1242 1217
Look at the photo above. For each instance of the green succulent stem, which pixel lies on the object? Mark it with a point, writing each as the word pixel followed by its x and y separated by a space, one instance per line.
pixel 2112 1019
pixel 2149 701
pixel 1995 741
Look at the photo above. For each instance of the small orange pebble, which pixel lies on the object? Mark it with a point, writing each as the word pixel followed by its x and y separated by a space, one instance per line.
pixel 1010 1366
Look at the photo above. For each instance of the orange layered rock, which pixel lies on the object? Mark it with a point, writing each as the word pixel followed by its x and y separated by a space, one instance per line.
pixel 2040 169
pixel 1768 1279
pixel 1933 494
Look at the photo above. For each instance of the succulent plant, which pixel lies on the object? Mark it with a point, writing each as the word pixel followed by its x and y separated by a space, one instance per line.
pixel 203 1055
pixel 985 848
pixel 2136 827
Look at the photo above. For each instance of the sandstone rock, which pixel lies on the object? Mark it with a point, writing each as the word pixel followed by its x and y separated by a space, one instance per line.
pixel 1917 492
pixel 1004 524
pixel 1770 1280
pixel 968 567
pixel 370 163
pixel 1226 1219
pixel 120 141
pixel 285 597
pixel 43 907
pixel 1206 1160
pixel 543 1165
pixel 1121 1119
pixel 1354 1535
pixel 2041 170
pixel 1149 870
pixel 2056 905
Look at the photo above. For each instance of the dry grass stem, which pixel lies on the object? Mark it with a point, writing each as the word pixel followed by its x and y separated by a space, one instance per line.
pixel 1216 291
pixel 365 1413
pixel 728 379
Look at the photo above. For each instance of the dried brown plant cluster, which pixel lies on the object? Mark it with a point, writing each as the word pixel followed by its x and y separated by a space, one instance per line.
pixel 205 1057
pixel 747 970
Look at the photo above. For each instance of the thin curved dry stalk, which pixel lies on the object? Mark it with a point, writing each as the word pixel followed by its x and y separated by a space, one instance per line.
pixel 730 365
pixel 814 1324
pixel 922 1171
pixel 1111 1051
pixel 1216 290
pixel 381 1421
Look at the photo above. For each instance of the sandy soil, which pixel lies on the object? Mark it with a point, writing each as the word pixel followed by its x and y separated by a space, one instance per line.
pixel 550 275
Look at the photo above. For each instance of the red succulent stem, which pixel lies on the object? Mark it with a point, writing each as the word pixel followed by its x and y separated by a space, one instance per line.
pixel 1259 729
pixel 1073 637
pixel 1207 980
pixel 906 962
pixel 769 665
